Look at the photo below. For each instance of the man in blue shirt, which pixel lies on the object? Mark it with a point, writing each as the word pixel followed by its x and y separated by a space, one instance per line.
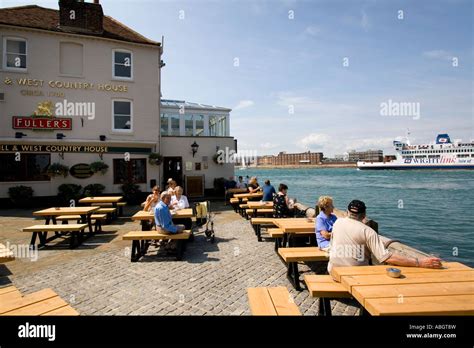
pixel 163 217
pixel 268 192
pixel 324 222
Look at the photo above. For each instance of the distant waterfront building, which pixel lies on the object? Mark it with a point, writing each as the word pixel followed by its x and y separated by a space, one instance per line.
pixel 284 159
pixel 367 156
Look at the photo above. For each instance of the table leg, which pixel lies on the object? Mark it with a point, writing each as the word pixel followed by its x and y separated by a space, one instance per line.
pixel 325 307
pixel 88 219
pixel 293 275
pixel 33 240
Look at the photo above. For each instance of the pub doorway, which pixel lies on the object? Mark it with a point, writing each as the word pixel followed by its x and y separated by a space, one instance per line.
pixel 173 168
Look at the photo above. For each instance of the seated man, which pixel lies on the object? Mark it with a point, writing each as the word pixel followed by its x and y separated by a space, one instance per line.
pixel 353 243
pixel 163 217
pixel 268 191
pixel 240 184
pixel 324 222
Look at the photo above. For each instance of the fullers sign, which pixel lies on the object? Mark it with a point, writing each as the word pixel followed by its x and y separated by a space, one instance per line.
pixel 21 122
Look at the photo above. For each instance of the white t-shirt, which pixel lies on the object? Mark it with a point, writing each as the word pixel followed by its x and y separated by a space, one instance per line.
pixel 182 202
pixel 240 185
pixel 353 243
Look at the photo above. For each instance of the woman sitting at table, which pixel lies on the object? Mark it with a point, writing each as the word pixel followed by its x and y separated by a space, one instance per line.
pixel 281 203
pixel 152 200
pixel 324 222
pixel 253 185
pixel 179 201
pixel 171 186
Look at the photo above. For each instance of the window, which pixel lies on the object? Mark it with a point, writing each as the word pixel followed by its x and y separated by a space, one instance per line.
pixel 71 57
pixel 199 119
pixel 164 124
pixel 122 116
pixel 14 54
pixel 213 126
pixel 174 119
pixel 188 125
pixel 130 171
pixel 31 167
pixel 122 64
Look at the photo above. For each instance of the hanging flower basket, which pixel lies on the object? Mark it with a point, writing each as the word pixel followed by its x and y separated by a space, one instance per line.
pixel 99 166
pixel 155 158
pixel 57 169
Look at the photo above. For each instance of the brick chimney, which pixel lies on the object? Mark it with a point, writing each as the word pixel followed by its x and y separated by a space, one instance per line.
pixel 80 16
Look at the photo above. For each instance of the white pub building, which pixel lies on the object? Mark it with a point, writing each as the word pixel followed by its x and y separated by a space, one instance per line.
pixel 78 87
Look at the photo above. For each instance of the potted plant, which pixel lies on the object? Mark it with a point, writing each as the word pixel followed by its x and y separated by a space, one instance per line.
pixel 155 158
pixel 99 166
pixel 66 192
pixel 21 195
pixel 131 192
pixel 93 190
pixel 57 169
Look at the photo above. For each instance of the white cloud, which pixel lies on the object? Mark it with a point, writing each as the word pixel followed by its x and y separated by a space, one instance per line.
pixel 243 104
pixel 364 21
pixel 314 141
pixel 438 54
pixel 312 30
pixel 268 146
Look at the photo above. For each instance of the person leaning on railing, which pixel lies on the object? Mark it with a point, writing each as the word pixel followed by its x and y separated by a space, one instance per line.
pixel 353 243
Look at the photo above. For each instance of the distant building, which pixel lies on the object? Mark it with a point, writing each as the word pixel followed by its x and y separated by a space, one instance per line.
pixel 367 156
pixel 283 158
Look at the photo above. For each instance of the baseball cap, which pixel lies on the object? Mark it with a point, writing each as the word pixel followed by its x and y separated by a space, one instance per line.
pixel 357 207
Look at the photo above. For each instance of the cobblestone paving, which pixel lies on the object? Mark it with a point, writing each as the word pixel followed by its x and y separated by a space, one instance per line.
pixel 98 277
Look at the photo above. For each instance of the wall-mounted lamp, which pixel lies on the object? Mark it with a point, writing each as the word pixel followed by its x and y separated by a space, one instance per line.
pixel 194 148
pixel 217 148
pixel 102 137
pixel 59 136
pixel 101 155
pixel 20 135
pixel 61 154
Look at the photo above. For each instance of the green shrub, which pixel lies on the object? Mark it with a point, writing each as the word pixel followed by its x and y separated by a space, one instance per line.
pixel 66 192
pixel 155 158
pixel 93 190
pixel 131 193
pixel 21 195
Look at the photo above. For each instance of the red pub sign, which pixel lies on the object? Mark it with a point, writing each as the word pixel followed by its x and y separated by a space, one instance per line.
pixel 27 122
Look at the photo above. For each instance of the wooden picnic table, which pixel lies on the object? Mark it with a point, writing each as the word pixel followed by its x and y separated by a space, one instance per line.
pixel 294 227
pixel 248 195
pixel 109 199
pixel 259 205
pixel 419 291
pixel 50 214
pixel 145 216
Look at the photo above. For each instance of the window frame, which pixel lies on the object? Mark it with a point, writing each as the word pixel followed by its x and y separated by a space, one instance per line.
pixel 25 167
pixel 4 64
pixel 122 78
pixel 122 131
pixel 129 170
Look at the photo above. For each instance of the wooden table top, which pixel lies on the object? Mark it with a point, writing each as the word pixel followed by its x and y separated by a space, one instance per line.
pixel 295 225
pixel 109 199
pixel 175 214
pixel 420 291
pixel 259 205
pixel 249 195
pixel 65 211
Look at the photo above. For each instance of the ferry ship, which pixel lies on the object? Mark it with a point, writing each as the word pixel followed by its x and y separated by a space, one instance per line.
pixel 443 154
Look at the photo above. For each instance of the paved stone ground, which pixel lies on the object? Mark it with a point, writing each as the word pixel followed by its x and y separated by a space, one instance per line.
pixel 98 278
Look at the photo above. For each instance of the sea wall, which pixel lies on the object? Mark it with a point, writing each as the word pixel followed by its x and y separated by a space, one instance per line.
pixel 391 244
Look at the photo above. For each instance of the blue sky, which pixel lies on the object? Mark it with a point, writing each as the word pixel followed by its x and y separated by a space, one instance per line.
pixel 290 89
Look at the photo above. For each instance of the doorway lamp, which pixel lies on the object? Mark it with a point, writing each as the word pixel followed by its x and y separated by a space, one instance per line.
pixel 194 147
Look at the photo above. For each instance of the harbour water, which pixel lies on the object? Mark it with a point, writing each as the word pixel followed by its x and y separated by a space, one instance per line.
pixel 431 210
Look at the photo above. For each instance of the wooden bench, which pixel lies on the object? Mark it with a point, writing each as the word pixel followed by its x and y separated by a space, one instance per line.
pixel 291 256
pixel 255 212
pixel 111 213
pixel 42 232
pixel 325 288
pixel 119 205
pixel 271 301
pixel 141 241
pixel 259 222
pixel 43 302
pixel 97 220
pixel 6 254
pixel 278 235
